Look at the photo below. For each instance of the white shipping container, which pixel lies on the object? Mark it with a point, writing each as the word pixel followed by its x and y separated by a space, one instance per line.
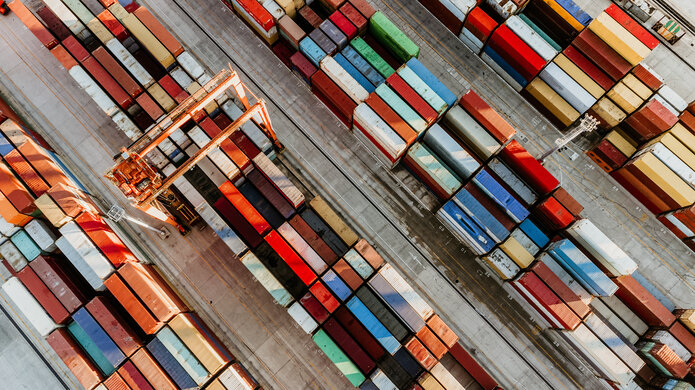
pixel 129 62
pixel 459 10
pixel 281 182
pixel 92 256
pixel 80 264
pixel 29 306
pixel 157 159
pixel 666 338
pixel 497 68
pixel 614 259
pixel 679 225
pixel 14 257
pixel 382 158
pixel 610 339
pixel 626 314
pixel 302 318
pixel 470 40
pixel 470 132
pixel 126 125
pixel 274 9
pixel 7 229
pixel 82 12
pixel 66 16
pixel 207 166
pixel 444 377
pixel 93 90
pixel 41 234
pixel 450 151
pixel 204 78
pixel 180 139
pixel 528 35
pixel 525 242
pixel 190 65
pixel 381 381
pixel 302 247
pixel 181 77
pixel 567 87
pixel 219 226
pixel 672 161
pixel 249 128
pixel 167 146
pixel 185 187
pixel 399 284
pixel 380 131
pixel 673 98
pixel 568 279
pixel 233 381
pixel 216 155
pixel 505 267
pixel 341 77
pixel 600 308
pixel 504 8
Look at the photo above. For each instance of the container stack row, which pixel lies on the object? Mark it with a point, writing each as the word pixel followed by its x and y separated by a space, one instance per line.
pixel 114 321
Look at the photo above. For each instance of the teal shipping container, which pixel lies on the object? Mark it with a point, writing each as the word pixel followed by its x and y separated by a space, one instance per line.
pixel 344 364
pixel 426 93
pixel 281 296
pixel 90 348
pixel 25 245
pixel 402 108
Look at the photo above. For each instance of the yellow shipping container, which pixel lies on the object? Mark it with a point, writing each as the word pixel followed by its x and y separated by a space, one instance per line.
pixel 161 96
pixel 118 11
pixel 686 137
pixel 675 146
pixel 621 40
pixel 288 6
pixel 625 98
pixel 334 221
pixel 666 179
pixel 609 112
pixel 637 86
pixel 99 30
pixel 627 138
pixel 298 4
pixel 148 40
pixel 428 382
pixel 552 101
pixel 621 143
pixel 517 252
pixel 51 211
pixel 564 14
pixel 579 76
pixel 197 343
pixel 215 385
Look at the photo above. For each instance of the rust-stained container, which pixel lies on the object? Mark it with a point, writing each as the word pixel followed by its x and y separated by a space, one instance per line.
pixel 43 295
pixel 74 358
pixel 117 71
pixel 159 31
pixel 33 24
pixel 26 172
pixel 15 192
pixel 487 116
pixel 127 298
pixel 369 253
pixel 601 54
pixel 151 370
pixel 363 6
pixel 648 76
pixel 354 16
pixel 105 239
pixel 116 382
pixel 669 360
pixel 110 85
pixel 149 106
pixel 43 163
pixel 567 201
pixel 154 291
pixel 642 302
pixel 114 325
pixel 683 335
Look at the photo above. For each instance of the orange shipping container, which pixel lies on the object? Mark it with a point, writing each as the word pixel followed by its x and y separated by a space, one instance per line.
pixel 15 191
pixel 101 234
pixel 10 213
pixel 153 290
pixel 73 357
pixel 64 57
pixel 146 320
pixel 116 382
pixel 151 370
pixel 71 200
pixel 42 162
pixel 159 31
pixel 26 172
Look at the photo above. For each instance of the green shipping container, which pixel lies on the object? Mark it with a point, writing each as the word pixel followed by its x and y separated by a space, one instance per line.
pixel 25 245
pixel 422 89
pixel 183 355
pixel 91 348
pixel 390 97
pixel 372 57
pixel 392 38
pixel 344 364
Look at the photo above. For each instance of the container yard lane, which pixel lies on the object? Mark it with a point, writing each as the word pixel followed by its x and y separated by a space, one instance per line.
pixel 212 280
pixel 330 161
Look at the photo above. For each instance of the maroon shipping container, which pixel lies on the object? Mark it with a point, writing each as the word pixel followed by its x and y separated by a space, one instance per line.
pixel 651 120
pixel 593 71
pixel 473 367
pixel 271 193
pixel 355 17
pixel 369 253
pixel 54 24
pixel 359 333
pixel 364 7
pixel 391 118
pixel 245 144
pixel 334 97
pixel 74 358
pixel 283 51
pixel 683 335
pixel 314 307
pixel 114 325
pixel 642 302
pixel 351 278
pixel 212 129
pixel 173 88
pixel 310 17
pixel 341 337
pixel 553 214
pixel 524 164
pixel 490 206
pixel 75 48
pixel 568 202
pixel 300 64
pixel 133 377
pixel 412 98
pixel 33 24
pixel 559 287
pixel 601 54
pixel 639 191
pixel 669 360
pixel 448 19
pixel 116 70
pixel 52 273
pixel 313 239
pixel 107 82
pixel 487 116
pixel 234 218
pixel 610 154
pixel 43 295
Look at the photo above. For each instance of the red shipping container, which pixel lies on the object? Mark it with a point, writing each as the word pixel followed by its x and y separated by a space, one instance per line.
pixel 26 172
pixel 75 48
pixel 420 353
pixel 473 367
pixel 148 104
pixel 43 295
pixel 108 3
pixel 173 88
pixel 610 154
pixel 153 290
pixel 303 66
pixel 329 90
pixel 110 85
pixel 596 74
pixel 448 19
pixel 245 144
pixel 159 31
pixel 343 24
pixel 601 54
pixel 15 192
pixel 516 52
pixel 521 161
pixel 554 306
pixel 351 278
pixel 669 360
pixel 313 239
pixel 244 207
pixel 391 118
pixel 359 333
pixel 363 6
pixel 349 346
pixel 642 302
pixel 567 201
pixel 43 163
pixel 113 25
pixel 114 325
pixel 688 120
pixel 442 331
pixel 369 253
pixel 63 57
pixel 33 24
pixel 648 77
pixel 412 98
pixel 258 13
pixel 285 251
pixel 634 27
pixel 487 116
pixel 239 158
pixel 432 342
pixel 354 16
pixel 116 382
pixel 324 296
pixel 683 335
pixel 10 213
pixel 116 70
pixel 50 271
pixel 151 370
pixel 332 4
pixel 142 316
pixel 480 23
pixel 639 191
pixel 314 307
pixel 71 200
pixel 553 214
pixel 133 377
pixel 559 287
pixel 54 24
pixel 72 355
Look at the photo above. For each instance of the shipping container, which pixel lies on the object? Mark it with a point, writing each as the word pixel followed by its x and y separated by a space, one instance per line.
pixel 493 189
pixel 601 54
pixel 619 38
pixel 170 365
pixel 579 266
pixel 544 98
pixel 589 68
pixel 517 187
pixel 327 234
pixel 397 302
pixel 412 98
pixel 444 377
pixel 33 24
pixel 105 239
pixel 53 274
pixel 342 362
pixel 642 302
pixel 313 239
pixel 91 348
pixel 482 217
pixel 517 53
pixel 151 370
pixel 351 348
pixel 335 98
pixel 594 241
pixel 452 152
pixel 53 307
pixel 372 323
pixel 354 16
pixel 563 291
pixel 471 133
pixel 432 171
pixel 501 264
pixel 74 358
pixel 302 318
pixel 154 291
pixel 374 59
pixel 392 38
pixel 99 337
pixel 529 168
pixel 180 352
pixel 465 228
pixel 531 38
pixel 74 237
pixel 343 79
pixel 13 256
pixel 400 106
pixel 601 309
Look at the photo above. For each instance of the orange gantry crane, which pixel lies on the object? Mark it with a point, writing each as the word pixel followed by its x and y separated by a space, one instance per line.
pixel 146 188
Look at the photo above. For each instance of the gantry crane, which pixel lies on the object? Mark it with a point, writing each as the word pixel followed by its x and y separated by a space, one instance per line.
pixel 140 182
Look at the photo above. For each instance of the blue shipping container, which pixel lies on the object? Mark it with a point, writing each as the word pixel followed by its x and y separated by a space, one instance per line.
pixel 90 348
pixel 576 11
pixel 513 181
pixel 352 71
pixel 311 50
pixel 336 285
pixel 451 152
pixel 183 355
pixel 373 325
pixel 500 195
pixel 170 365
pixel 5 146
pixel 397 303
pixel 65 169
pixel 100 338
pixel 582 268
pixel 362 65
pixel 407 362
pixel 481 215
pixel 505 66
pixel 534 233
pixel 437 86
pixel 468 230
